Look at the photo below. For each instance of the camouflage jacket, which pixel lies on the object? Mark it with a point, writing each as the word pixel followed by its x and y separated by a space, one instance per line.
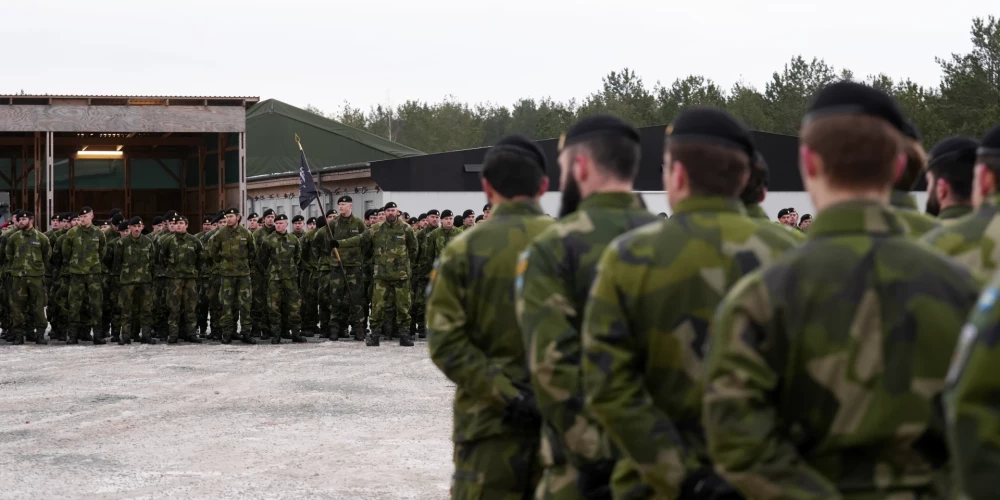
pixel 972 241
pixel 826 368
pixel 55 258
pixel 970 404
pixel 471 321
pixel 107 262
pixel 179 256
pixel 231 251
pixel 50 268
pixel 279 256
pixel 436 241
pixel 27 252
pixel 755 211
pixel 916 223
pixel 258 238
pixel 344 228
pixel 423 267
pixel 645 330
pixel 393 248
pixel 321 250
pixel 157 237
pixel 953 213
pixel 307 259
pixel 556 273
pixel 81 250
pixel 134 259
pixel 208 267
pixel 4 238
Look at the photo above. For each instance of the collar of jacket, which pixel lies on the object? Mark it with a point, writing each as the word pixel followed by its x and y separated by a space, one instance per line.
pixel 612 200
pixel 904 200
pixel 856 217
pixel 755 211
pixel 955 211
pixel 710 204
pixel 517 207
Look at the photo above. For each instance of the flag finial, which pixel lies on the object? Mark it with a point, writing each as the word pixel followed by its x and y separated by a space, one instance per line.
pixel 298 141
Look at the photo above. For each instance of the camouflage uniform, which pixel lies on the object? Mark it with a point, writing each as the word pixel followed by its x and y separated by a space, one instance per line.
pixel 436 241
pixel 5 312
pixel 474 339
pixel 27 252
pixel 50 270
pixel 210 269
pixel 557 271
pixel 347 296
pixel 279 257
pixel 953 213
pixel 645 331
pixel 161 310
pixel 755 211
pixel 110 285
pixel 82 249
pixel 826 368
pixel 234 254
pixel 57 292
pixel 134 263
pixel 204 284
pixel 418 285
pixel 970 393
pixel 393 248
pixel 972 240
pixel 259 310
pixel 180 256
pixel 307 284
pixel 917 224
pixel 321 254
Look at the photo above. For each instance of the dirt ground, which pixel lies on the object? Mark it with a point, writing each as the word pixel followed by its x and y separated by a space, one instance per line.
pixel 317 420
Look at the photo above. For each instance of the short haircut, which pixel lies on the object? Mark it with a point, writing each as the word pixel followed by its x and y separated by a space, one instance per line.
pixel 858 151
pixel 616 155
pixel 916 163
pixel 512 171
pixel 753 192
pixel 712 169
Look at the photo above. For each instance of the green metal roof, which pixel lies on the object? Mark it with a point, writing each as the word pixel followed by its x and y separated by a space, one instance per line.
pixel 271 148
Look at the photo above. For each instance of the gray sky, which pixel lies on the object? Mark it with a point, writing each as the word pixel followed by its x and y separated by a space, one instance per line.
pixel 369 52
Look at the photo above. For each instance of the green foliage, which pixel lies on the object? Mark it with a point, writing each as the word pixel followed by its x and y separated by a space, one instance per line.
pixel 966 102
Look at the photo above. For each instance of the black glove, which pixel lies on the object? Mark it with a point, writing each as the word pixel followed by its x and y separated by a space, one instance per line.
pixel 336 244
pixel 705 484
pixel 594 481
pixel 523 411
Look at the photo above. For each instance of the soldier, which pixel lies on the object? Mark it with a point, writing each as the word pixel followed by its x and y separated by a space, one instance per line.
pixel 204 284
pixel 279 257
pixel 308 284
pixel 437 240
pixel 320 253
pixel 826 368
pixel 234 254
pixel 252 222
pixel 5 313
pixel 486 211
pixel 422 273
pixel 949 178
pixel 393 247
pixel 134 255
pixel 683 265
pixel 111 236
pixel 755 191
pixel 971 240
pixel 180 256
pixel 310 224
pixel 905 204
pixel 55 226
pixel 214 279
pixel 346 293
pixel 81 249
pixel 474 338
pixel 459 223
pixel 298 226
pixel 259 278
pixel 598 160
pixel 27 252
pixel 368 268
pixel 57 298
pixel 380 216
pixel 468 219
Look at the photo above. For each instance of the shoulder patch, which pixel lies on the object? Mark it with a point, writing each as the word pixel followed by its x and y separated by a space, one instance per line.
pixel 988 299
pixel 962 351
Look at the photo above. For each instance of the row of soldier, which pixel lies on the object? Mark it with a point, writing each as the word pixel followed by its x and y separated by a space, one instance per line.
pixel 717 354
pixel 120 279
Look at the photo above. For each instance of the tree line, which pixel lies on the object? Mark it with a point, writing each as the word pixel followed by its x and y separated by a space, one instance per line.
pixel 965 102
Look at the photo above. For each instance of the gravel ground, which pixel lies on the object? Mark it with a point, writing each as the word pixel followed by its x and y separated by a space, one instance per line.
pixel 316 420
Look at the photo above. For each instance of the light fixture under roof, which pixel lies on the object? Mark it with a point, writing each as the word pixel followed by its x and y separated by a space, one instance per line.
pixel 99 155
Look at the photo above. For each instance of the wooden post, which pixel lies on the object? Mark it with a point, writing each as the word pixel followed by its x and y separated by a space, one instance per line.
pixel 50 181
pixel 201 181
pixel 222 170
pixel 38 177
pixel 72 184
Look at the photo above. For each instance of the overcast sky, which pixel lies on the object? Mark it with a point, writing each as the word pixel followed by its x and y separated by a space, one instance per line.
pixel 370 52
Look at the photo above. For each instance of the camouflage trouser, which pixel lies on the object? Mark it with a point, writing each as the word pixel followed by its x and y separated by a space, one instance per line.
pixel 114 290
pixel 285 305
pixel 347 303
pixel 397 294
pixel 419 302
pixel 502 467
pixel 204 290
pixel 369 289
pixel 161 310
pixel 135 300
pixel 57 305
pixel 27 305
pixel 215 305
pixel 310 295
pixel 182 302
pixel 5 316
pixel 234 302
pixel 108 305
pixel 85 294
pixel 259 306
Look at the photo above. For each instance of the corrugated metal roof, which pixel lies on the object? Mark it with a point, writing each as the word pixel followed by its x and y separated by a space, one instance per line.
pixel 91 96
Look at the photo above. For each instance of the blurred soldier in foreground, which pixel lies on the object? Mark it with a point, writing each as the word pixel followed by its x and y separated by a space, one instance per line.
pixel 826 368
pixel 473 334
pixel 646 323
pixel 902 201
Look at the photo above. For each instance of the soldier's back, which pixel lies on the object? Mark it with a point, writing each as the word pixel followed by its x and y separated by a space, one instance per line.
pixel 972 241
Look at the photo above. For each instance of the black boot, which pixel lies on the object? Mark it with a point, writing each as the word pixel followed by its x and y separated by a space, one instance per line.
pixel 99 339
pixel 421 333
pixel 194 339
pixel 406 340
pixel 18 338
pixel 71 337
pixel 359 334
pixel 298 338
pixel 286 335
pixel 171 339
pixel 203 331
pixel 40 336
pixel 372 340
pixel 248 339
pixel 276 339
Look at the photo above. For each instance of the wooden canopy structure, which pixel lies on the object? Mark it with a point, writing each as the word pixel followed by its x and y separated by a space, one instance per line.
pixel 143 154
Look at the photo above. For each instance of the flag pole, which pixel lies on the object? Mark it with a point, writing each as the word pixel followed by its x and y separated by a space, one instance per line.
pixel 329 228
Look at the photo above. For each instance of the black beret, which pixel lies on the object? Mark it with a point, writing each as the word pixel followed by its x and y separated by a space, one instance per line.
pixel 217 219
pixel 27 215
pixel 458 221
pixel 785 211
pixel 104 223
pixel 953 153
pixel 156 220
pixel 421 216
pixel 298 218
pixel 114 211
pixel 711 126
pixel 117 218
pixel 331 212
pixel 479 218
pixel 990 145
pixel 170 214
pixel 447 213
pixel 805 218
pixel 86 210
pixel 856 99
pixel 311 220
pixel 122 226
pixel 598 125
pixel 181 218
pixel 910 130
pixel 412 220
pixel 380 210
pixel 18 212
pixel 207 220
pixel 522 145
pixel 345 199
pixel 369 212
pixel 433 212
pixel 232 211
pixel 279 217
pixel 75 217
pixel 56 217
pixel 268 212
pixel 320 222
pixel 253 215
pixel 389 205
pixel 487 207
pixel 468 213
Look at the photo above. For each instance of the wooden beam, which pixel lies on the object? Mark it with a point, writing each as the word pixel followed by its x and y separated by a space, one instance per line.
pixel 159 119
pixel 167 170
